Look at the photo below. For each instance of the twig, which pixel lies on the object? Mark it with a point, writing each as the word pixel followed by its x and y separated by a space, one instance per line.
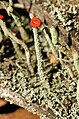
pixel 17 99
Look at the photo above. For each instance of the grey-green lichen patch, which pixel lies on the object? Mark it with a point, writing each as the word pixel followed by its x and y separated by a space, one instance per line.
pixel 45 89
pixel 34 92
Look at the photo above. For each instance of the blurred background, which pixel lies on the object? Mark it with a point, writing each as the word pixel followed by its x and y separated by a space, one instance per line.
pixel 11 111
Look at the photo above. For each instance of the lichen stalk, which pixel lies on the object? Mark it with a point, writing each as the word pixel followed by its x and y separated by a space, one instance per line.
pixel 51 44
pixel 15 39
pixel 38 55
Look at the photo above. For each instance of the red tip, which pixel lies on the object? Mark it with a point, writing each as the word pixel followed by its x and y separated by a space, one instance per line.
pixel 1 17
pixel 35 22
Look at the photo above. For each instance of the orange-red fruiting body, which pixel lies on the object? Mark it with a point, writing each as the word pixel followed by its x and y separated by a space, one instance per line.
pixel 1 17
pixel 35 22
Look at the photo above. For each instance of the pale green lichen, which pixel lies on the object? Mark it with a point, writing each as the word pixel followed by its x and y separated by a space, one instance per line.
pixel 53 49
pixel 41 72
pixel 15 39
pixel 57 92
pixel 76 64
pixel 54 35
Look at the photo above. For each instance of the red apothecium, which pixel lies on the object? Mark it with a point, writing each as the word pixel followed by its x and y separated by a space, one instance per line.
pixel 35 22
pixel 1 16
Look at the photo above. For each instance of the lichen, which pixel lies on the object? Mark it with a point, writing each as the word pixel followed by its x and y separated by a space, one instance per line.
pixel 26 75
